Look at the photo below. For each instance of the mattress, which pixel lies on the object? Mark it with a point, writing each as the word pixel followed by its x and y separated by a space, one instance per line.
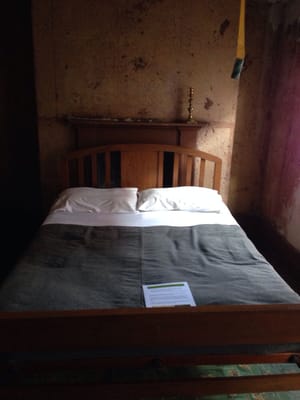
pixel 88 261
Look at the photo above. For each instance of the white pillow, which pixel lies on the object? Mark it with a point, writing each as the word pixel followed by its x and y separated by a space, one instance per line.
pixel 94 200
pixel 185 198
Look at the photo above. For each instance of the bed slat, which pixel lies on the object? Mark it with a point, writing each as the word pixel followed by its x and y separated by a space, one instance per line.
pixel 217 175
pixel 189 171
pixel 81 171
pixel 175 170
pixel 94 169
pixel 107 169
pixel 160 173
pixel 202 172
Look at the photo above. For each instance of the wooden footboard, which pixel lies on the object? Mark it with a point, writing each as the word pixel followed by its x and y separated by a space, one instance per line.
pixel 108 340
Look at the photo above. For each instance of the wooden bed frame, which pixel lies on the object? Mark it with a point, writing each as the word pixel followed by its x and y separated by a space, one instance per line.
pixel 144 338
pixel 141 165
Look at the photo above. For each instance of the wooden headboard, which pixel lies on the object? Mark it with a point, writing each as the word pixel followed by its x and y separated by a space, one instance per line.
pixel 142 166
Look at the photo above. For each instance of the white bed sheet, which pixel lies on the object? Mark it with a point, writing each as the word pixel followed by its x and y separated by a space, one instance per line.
pixel 153 218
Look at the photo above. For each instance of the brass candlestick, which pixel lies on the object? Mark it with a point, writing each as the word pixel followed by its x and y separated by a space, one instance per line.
pixel 190 107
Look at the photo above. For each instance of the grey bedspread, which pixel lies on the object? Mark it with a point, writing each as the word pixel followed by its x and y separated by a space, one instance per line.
pixel 84 267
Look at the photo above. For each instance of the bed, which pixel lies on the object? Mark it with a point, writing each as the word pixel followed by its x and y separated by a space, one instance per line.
pixel 133 215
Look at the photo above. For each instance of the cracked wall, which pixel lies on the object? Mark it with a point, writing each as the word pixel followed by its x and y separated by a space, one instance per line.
pixel 134 59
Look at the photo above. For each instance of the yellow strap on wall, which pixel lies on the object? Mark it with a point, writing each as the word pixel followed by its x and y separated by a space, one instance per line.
pixel 241 32
pixel 240 52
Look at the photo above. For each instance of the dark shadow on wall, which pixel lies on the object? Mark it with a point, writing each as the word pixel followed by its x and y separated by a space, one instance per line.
pixel 19 161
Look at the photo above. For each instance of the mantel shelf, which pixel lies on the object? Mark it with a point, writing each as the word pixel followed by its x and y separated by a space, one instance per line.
pixel 83 121
pixel 92 131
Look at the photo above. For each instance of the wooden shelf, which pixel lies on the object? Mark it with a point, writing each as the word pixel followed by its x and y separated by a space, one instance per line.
pixel 92 131
pixel 83 121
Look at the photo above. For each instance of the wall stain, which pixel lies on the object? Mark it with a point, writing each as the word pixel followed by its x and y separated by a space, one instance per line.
pixel 76 98
pixel 224 26
pixel 139 63
pixel 141 8
pixel 143 113
pixel 208 103
pixel 247 63
pixel 93 85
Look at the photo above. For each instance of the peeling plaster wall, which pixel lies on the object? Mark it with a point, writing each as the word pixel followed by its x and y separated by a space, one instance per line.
pixel 281 194
pixel 265 171
pixel 137 59
pixel 252 111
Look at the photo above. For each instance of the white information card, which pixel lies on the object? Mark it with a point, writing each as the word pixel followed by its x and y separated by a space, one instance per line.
pixel 168 294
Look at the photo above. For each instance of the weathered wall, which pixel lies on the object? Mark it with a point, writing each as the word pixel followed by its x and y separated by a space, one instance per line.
pixel 137 59
pixel 248 149
pixel 281 188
